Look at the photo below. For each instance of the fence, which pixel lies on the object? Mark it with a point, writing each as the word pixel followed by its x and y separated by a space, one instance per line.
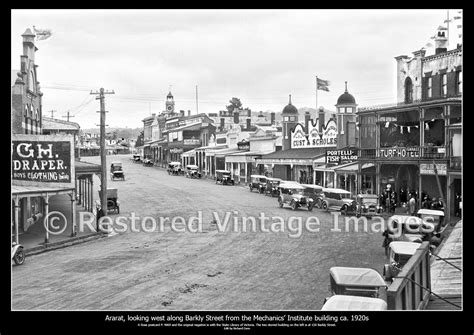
pixel 410 289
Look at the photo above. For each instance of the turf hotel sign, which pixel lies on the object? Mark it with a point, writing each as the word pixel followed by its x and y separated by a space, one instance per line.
pixel 38 159
pixel 402 152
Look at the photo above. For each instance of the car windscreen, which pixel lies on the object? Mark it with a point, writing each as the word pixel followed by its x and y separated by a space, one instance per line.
pixel 297 191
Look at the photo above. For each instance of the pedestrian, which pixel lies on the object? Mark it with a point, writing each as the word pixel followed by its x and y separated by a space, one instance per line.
pixel 426 203
pixel 412 205
pixel 457 205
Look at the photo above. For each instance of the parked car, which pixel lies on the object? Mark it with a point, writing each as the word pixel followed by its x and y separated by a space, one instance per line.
pixel 113 203
pixel 136 158
pixel 224 177
pixel 367 205
pixel 410 229
pixel 192 171
pixel 147 162
pixel 257 182
pixel 337 199
pixel 174 168
pixel 352 281
pixel 313 191
pixel 271 187
pixel 354 303
pixel 434 216
pixel 399 254
pixel 116 171
pixel 292 194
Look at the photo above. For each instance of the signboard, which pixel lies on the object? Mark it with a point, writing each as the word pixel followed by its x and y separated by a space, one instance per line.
pixel 176 150
pixel 191 141
pixel 408 152
pixel 39 159
pixel 429 168
pixel 341 156
pixel 243 145
pixel 314 139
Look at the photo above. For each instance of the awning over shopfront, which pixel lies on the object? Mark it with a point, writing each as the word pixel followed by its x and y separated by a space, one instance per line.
pixel 224 152
pixel 349 167
pixel 189 153
pixel 86 168
pixel 367 165
pixel 157 143
pixel 292 156
pixel 210 148
pixel 245 157
pixel 39 191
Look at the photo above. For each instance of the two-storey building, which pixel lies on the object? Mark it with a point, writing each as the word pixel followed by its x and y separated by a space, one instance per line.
pixel 415 144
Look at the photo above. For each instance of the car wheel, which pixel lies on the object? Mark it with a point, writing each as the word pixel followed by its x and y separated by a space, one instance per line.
pixel 324 206
pixel 344 210
pixel 19 257
pixel 294 206
pixel 318 203
pixel 118 210
pixel 280 202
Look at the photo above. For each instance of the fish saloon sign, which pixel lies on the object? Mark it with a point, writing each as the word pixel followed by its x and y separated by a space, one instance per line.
pixel 42 159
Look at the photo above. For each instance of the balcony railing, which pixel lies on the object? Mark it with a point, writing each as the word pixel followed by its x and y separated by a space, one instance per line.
pixel 413 152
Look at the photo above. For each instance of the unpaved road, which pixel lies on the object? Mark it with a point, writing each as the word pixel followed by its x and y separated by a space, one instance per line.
pixel 208 270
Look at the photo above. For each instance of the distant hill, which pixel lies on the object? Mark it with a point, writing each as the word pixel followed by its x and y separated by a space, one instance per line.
pixel 130 133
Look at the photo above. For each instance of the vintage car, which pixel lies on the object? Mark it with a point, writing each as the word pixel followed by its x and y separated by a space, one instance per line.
pixel 336 199
pixel 292 194
pixel 192 171
pixel 113 203
pixel 362 282
pixel 257 182
pixel 136 158
pixel 271 187
pixel 367 205
pixel 174 168
pixel 147 162
pixel 399 254
pixel 354 303
pixel 434 216
pixel 410 229
pixel 224 177
pixel 313 191
pixel 116 171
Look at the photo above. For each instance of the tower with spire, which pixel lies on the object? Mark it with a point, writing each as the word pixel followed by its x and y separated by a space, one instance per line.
pixel 346 120
pixel 289 121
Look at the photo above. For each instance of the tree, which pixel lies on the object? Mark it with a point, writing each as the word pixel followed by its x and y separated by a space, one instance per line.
pixel 234 103
pixel 140 142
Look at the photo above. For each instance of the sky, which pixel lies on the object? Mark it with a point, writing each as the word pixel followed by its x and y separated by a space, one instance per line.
pixel 258 56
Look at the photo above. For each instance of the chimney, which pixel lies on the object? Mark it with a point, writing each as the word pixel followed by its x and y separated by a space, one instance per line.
pixel 222 123
pixel 249 112
pixel 321 120
pixel 189 112
pixel 248 123
pixel 441 42
pixel 306 120
pixel 29 48
pixel 272 118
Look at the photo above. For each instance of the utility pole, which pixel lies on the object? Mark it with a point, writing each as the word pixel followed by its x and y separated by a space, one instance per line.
pixel 103 153
pixel 52 113
pixel 197 110
pixel 67 116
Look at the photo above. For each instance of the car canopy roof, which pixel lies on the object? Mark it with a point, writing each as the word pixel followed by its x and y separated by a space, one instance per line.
pixel 258 176
pixel 291 184
pixel 116 163
pixel 368 196
pixel 404 248
pixel 274 179
pixel 223 171
pixel 190 166
pixel 360 277
pixel 430 212
pixel 175 163
pixel 354 303
pixel 316 187
pixel 336 190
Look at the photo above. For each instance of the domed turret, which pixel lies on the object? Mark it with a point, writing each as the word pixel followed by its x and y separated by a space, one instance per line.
pixel 290 109
pixel 290 120
pixel 346 98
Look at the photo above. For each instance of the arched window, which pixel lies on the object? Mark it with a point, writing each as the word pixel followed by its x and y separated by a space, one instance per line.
pixel 408 90
pixel 26 119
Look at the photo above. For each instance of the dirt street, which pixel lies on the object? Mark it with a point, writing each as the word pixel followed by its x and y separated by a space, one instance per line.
pixel 208 270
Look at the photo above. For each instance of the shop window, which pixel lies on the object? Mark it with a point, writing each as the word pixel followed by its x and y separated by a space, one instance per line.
pixel 459 82
pixel 429 87
pixel 367 131
pixel 408 90
pixel 444 84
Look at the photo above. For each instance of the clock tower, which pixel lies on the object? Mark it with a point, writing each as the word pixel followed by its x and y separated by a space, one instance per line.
pixel 169 103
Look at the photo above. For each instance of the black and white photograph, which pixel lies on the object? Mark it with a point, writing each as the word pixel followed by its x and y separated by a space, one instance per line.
pixel 236 168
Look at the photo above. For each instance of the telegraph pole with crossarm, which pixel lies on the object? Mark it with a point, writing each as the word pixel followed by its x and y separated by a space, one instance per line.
pixel 103 157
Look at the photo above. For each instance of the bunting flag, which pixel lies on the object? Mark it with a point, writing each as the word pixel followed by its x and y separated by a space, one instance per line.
pixel 387 124
pixel 401 129
pixel 427 126
pixel 457 17
pixel 322 84
pixel 42 34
